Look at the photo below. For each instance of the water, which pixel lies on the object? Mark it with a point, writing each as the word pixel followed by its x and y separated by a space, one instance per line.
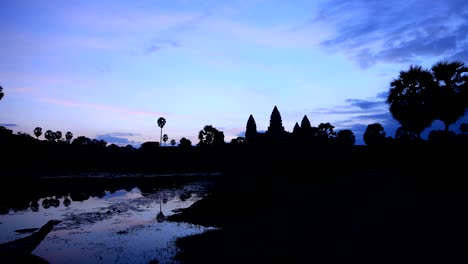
pixel 114 227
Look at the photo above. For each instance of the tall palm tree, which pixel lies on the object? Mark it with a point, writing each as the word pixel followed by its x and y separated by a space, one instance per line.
pixel 69 136
pixel 38 132
pixel 58 135
pixel 49 135
pixel 165 138
pixel 1 93
pixel 452 86
pixel 161 123
pixel 411 99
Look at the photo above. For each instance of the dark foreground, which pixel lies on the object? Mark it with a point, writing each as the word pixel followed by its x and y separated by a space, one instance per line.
pixel 310 205
pixel 408 208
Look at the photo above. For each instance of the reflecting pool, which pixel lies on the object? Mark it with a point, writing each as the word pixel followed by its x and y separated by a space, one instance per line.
pixel 118 226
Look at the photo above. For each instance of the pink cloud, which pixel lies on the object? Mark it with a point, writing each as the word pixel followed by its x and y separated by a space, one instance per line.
pixel 22 89
pixel 42 79
pixel 109 108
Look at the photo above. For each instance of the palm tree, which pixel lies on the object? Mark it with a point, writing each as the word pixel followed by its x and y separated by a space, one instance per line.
pixel 38 132
pixel 58 135
pixel 161 123
pixel 1 93
pixel 411 99
pixel 49 135
pixel 173 142
pixel 452 86
pixel 165 138
pixel 69 136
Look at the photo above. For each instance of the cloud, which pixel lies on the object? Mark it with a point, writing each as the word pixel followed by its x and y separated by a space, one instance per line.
pixel 157 45
pixel 23 89
pixel 9 125
pixel 242 133
pixel 397 31
pixel 120 139
pixel 364 104
pixel 118 109
pixel 357 114
pixel 382 95
pixel 123 134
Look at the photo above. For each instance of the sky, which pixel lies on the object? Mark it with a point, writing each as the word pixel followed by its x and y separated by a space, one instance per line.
pixel 110 69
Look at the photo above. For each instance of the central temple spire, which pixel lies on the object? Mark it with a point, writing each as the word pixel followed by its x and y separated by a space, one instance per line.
pixel 276 124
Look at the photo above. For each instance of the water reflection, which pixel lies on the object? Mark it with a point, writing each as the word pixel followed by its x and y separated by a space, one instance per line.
pixel 66 202
pixel 34 206
pixel 109 225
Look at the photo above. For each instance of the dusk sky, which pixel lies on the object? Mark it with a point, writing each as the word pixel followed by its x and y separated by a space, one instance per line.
pixel 110 69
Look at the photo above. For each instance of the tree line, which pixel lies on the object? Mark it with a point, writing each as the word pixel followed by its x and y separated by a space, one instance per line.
pixel 416 98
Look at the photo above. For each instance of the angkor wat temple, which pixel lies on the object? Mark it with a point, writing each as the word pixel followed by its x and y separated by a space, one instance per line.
pixel 305 134
pixel 276 132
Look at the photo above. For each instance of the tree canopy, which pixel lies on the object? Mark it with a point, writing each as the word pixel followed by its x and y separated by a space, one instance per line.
pixel 410 99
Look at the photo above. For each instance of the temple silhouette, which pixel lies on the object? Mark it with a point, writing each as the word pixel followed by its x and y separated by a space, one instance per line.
pixel 303 134
pixel 276 134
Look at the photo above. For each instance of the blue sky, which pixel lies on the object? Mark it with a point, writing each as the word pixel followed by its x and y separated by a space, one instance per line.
pixel 110 69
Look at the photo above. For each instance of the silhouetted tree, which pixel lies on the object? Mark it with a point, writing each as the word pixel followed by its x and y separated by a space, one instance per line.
pixel 165 138
pixel 68 136
pixel 451 98
pixel 325 133
pixel 161 123
pixel 464 128
pixel 173 142
pixel 404 136
pixel 100 143
pixel 185 143
pixel 5 132
pixel 1 93
pixel 81 140
pixel 38 132
pixel 237 141
pixel 49 135
pixel 345 137
pixel 411 99
pixel 251 130
pixel 374 135
pixel 442 137
pixel 149 146
pixel 58 135
pixel 210 136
